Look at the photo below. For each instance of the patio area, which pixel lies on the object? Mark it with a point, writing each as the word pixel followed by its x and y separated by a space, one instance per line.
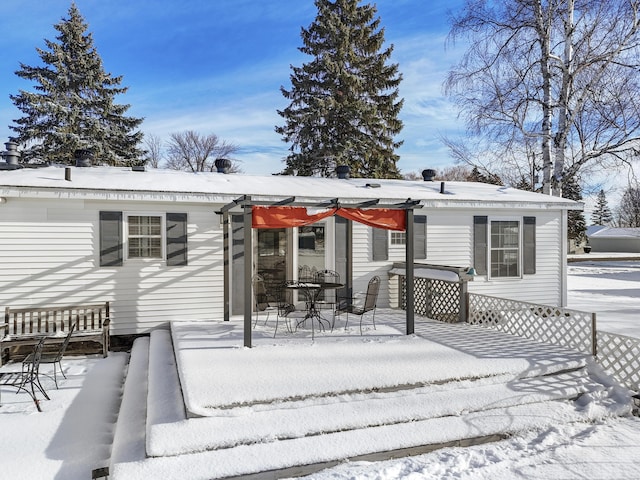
pixel 292 405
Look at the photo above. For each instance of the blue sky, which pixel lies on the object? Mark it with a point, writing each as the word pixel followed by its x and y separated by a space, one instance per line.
pixel 216 66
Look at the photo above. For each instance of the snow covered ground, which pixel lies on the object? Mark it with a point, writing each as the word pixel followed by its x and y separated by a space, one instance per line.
pixel 74 432
pixel 609 288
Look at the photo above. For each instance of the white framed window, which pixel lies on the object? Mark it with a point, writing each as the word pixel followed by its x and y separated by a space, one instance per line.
pixel 505 249
pixel 144 236
pixel 398 238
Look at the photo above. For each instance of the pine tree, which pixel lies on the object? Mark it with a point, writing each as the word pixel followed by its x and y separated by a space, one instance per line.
pixel 601 214
pixel 629 208
pixel 477 176
pixel 72 107
pixel 576 224
pixel 523 184
pixel 344 102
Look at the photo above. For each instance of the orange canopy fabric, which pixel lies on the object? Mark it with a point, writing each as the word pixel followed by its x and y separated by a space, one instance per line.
pixel 387 218
pixel 287 217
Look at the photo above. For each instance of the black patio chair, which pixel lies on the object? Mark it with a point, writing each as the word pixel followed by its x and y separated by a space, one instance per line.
pixel 305 273
pixel 27 378
pixel 276 302
pixel 327 298
pixel 286 307
pixel 55 358
pixel 263 300
pixel 361 304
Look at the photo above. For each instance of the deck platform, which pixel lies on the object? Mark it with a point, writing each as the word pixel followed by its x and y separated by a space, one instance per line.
pixel 293 405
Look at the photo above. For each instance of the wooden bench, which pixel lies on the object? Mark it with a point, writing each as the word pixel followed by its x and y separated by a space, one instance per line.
pixel 25 326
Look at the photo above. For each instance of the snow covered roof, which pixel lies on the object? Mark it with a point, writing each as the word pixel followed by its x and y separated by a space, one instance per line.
pixel 613 232
pixel 115 183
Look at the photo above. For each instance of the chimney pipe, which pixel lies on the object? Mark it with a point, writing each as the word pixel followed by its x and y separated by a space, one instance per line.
pixel 441 187
pixel 428 175
pixel 343 172
pixel 67 174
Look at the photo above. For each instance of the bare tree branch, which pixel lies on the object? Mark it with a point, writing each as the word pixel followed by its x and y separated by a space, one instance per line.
pixel 194 152
pixel 549 81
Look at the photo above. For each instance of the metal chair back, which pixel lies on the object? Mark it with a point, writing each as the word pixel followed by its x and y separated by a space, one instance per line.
pixel 372 294
pixel 260 293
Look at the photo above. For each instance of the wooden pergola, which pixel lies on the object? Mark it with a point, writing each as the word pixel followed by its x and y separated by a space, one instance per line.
pixel 246 203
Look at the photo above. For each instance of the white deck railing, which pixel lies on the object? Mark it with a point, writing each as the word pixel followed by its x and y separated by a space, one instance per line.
pixel 619 355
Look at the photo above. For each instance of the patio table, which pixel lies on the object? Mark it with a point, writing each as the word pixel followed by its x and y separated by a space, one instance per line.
pixel 311 292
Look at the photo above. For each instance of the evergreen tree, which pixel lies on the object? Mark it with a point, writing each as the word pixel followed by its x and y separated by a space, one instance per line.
pixel 72 107
pixel 344 102
pixel 601 214
pixel 477 176
pixel 629 208
pixel 576 224
pixel 523 184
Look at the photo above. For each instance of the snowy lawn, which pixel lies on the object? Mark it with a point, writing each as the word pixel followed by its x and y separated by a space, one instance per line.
pixel 74 432
pixel 612 290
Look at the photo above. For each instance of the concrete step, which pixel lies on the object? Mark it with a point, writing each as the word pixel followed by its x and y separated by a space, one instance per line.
pixel 297 419
pixel 294 438
pixel 288 419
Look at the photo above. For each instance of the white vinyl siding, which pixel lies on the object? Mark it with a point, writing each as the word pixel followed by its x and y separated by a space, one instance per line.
pixel 50 256
pixel 450 242
pixel 546 285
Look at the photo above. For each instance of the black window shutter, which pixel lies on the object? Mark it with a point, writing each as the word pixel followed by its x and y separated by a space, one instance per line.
pixel 420 237
pixel 176 239
pixel 529 245
pixel 380 244
pixel 480 231
pixel 111 249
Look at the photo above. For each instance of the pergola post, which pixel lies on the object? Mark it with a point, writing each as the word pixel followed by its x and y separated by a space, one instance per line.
pixel 248 270
pixel 226 264
pixel 349 279
pixel 409 272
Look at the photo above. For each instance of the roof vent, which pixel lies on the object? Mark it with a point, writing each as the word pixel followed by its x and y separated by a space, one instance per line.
pixel 223 165
pixel 138 168
pixel 83 156
pixel 12 155
pixel 428 174
pixel 343 171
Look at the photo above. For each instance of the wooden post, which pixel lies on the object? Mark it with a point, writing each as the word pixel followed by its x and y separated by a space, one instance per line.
pixel 248 271
pixel 594 336
pixel 464 297
pixel 410 320
pixel 226 264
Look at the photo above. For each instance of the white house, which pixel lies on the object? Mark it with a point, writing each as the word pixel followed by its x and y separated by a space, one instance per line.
pixel 152 242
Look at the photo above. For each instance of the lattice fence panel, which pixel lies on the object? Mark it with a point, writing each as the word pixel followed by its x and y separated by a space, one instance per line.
pixel 435 299
pixel 556 325
pixel 619 355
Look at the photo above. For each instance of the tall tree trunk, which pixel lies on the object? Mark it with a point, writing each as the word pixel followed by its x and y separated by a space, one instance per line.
pixel 544 31
pixel 560 143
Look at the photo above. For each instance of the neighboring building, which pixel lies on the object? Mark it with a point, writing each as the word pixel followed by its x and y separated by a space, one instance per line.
pixel 151 242
pixel 612 239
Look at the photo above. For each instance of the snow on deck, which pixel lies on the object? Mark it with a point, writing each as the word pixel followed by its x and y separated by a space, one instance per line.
pixel 229 375
pixel 297 403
